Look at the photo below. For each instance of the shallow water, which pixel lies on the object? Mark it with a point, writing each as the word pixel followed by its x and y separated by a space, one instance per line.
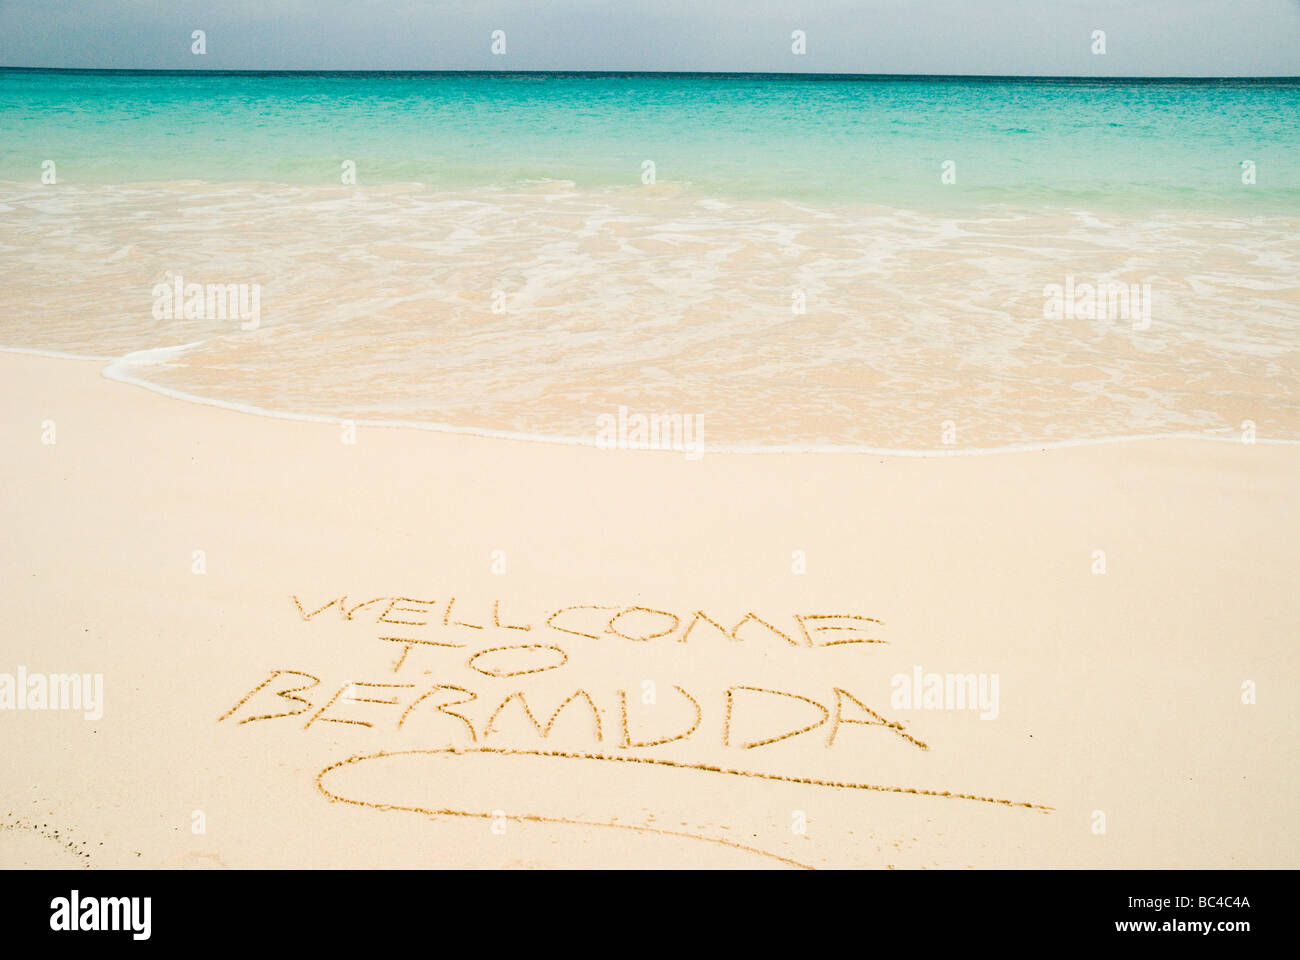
pixel 797 276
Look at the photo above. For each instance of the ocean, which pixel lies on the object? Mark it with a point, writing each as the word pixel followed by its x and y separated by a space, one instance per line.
pixel 933 264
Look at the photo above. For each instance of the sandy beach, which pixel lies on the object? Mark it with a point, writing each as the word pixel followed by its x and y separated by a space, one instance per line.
pixel 424 649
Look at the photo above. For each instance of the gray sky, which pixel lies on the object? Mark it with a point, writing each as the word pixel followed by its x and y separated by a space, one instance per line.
pixel 1143 37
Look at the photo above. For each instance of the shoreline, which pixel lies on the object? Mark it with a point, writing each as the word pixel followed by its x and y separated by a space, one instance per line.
pixel 114 369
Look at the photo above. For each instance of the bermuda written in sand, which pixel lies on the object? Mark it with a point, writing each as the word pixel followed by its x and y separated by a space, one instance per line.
pixel 848 460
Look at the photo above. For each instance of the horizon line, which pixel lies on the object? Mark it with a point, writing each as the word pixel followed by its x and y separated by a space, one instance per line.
pixel 807 75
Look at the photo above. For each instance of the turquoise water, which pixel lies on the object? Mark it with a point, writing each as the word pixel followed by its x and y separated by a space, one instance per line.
pixel 1103 144
pixel 798 276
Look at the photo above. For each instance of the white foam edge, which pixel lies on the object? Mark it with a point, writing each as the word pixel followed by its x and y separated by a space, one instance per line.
pixel 117 370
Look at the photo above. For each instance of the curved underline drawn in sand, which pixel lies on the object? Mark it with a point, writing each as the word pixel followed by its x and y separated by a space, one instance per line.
pixel 574 821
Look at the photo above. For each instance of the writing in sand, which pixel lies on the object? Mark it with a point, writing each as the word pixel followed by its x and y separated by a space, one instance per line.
pixel 560 685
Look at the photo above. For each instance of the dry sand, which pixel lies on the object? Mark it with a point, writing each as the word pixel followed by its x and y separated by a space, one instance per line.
pixel 1119 693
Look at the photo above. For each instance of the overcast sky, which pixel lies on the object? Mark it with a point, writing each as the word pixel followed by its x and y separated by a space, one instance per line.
pixel 1042 37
